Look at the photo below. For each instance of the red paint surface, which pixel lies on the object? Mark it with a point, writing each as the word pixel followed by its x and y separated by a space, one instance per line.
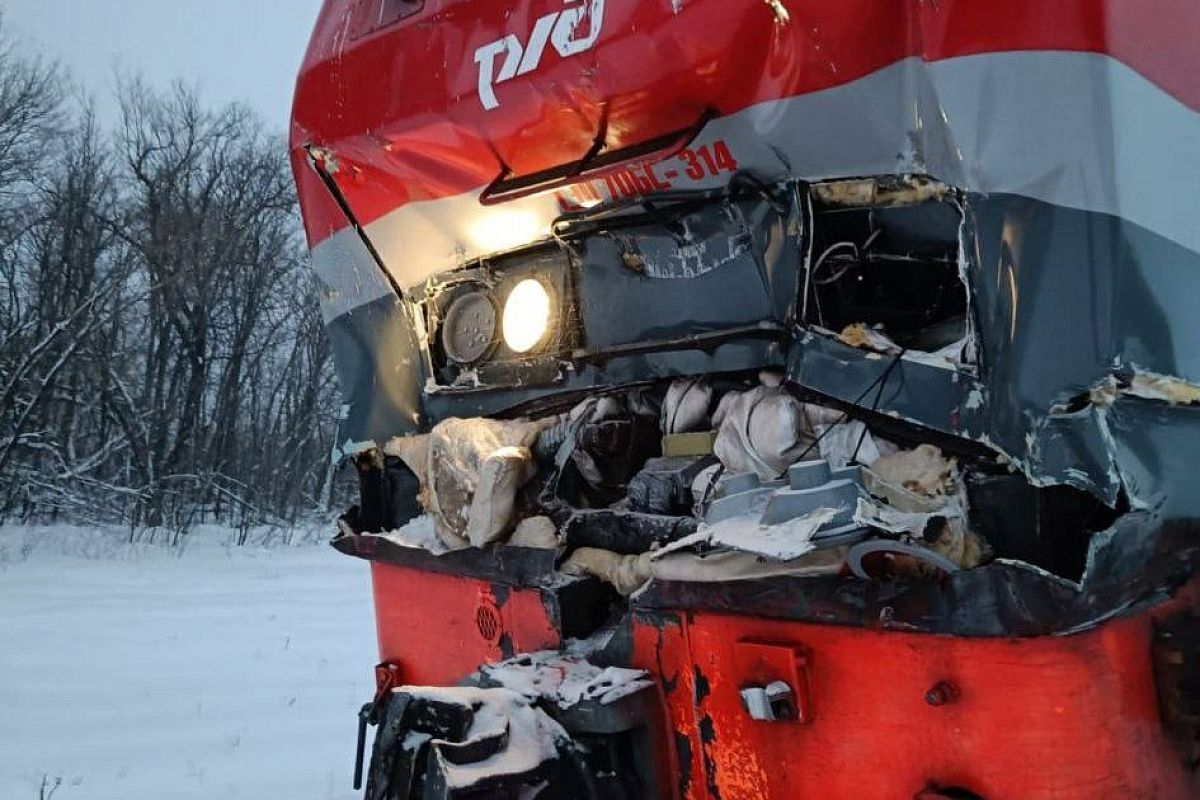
pixel 1051 717
pixel 427 623
pixel 1070 717
pixel 400 106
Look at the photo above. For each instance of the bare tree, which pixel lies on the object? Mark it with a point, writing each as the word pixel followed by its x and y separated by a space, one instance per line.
pixel 161 358
pixel 31 95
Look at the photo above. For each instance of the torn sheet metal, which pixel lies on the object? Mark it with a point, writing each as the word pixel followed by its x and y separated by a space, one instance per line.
pixel 696 244
pixel 1056 315
pixel 783 541
pixel 898 191
pixel 1004 598
pixel 1136 382
pixel 746 275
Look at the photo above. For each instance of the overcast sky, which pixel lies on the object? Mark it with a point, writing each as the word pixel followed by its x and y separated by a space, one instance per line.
pixel 246 50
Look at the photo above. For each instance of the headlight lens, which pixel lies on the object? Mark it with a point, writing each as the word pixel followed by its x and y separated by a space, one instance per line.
pixel 526 315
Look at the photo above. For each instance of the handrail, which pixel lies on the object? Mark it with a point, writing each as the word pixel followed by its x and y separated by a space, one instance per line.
pixel 507 187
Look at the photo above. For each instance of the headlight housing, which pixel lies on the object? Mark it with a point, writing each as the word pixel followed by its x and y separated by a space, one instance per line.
pixel 501 322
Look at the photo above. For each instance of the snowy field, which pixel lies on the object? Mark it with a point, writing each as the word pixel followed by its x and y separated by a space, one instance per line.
pixel 210 671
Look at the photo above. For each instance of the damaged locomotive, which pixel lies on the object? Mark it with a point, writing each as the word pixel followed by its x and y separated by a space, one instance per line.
pixel 726 420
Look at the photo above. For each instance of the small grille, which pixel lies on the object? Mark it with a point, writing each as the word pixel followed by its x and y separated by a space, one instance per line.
pixel 487 620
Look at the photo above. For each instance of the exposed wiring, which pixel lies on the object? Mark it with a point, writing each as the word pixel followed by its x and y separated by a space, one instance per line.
pixel 835 277
pixel 859 253
pixel 871 240
pixel 833 248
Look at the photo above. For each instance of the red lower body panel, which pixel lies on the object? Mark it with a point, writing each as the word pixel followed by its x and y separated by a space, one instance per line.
pixel 891 714
pixel 882 714
pixel 439 628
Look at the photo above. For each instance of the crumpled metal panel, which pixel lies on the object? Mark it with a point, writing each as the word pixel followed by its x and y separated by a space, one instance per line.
pixel 717 267
pixel 1138 563
pixel 379 367
pixel 1065 299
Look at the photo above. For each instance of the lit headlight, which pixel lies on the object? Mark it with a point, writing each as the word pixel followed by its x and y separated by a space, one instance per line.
pixel 526 315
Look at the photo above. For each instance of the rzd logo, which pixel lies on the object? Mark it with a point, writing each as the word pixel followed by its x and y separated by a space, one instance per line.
pixel 571 31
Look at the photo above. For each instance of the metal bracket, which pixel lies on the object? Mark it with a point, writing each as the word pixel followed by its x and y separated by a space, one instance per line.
pixel 771 703
pixel 774 681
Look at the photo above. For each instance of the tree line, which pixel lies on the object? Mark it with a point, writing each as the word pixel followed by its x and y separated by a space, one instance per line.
pixel 162 357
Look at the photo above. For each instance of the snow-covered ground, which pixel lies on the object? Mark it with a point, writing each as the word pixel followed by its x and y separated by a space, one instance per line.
pixel 206 672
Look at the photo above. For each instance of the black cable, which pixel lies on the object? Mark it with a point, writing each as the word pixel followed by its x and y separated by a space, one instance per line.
pixel 702 506
pixel 875 405
pixel 881 382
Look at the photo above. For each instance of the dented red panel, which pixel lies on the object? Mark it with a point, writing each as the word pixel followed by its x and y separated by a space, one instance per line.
pixel 884 714
pixel 660 646
pixel 892 714
pixel 881 713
